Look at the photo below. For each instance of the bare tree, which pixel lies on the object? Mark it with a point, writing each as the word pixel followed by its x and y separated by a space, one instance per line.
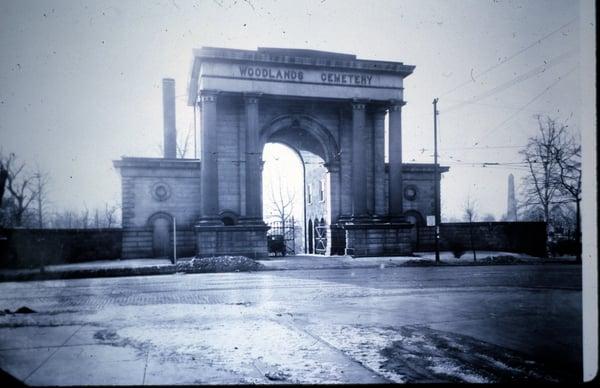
pixel 20 185
pixel 283 202
pixel 3 179
pixel 110 214
pixel 540 185
pixel 568 158
pixel 41 189
pixel 183 144
pixel 489 217
pixel 84 218
pixel 470 214
pixel 64 219
pixel 97 218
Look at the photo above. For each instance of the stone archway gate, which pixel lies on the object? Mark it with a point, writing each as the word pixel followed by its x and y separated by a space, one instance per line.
pixel 327 103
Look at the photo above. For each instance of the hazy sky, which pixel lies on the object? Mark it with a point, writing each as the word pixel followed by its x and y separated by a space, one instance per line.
pixel 80 82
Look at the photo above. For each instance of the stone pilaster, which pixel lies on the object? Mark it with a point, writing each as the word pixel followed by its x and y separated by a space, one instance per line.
pixel 333 186
pixel 209 156
pixel 253 160
pixel 359 166
pixel 345 162
pixel 379 160
pixel 395 160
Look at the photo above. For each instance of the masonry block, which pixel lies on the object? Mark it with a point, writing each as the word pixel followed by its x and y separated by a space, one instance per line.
pixel 243 240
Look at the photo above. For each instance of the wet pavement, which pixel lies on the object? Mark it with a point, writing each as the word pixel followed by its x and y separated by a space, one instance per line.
pixel 356 325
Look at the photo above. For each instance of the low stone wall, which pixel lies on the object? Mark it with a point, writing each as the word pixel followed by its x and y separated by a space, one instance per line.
pixel 521 237
pixel 30 248
pixel 238 240
pixel 137 242
pixel 378 239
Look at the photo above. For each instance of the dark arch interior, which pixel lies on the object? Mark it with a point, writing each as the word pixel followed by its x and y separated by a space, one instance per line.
pixel 228 221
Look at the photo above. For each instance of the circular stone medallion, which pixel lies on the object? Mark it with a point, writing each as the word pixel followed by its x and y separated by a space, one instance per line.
pixel 410 192
pixel 160 191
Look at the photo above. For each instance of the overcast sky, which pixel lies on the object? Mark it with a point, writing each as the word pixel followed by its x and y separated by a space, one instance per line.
pixel 80 82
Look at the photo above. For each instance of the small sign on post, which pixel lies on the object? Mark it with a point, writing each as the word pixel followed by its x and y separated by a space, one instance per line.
pixel 430 220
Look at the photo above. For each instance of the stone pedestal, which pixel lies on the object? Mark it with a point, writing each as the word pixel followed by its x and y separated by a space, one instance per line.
pixel 378 239
pixel 237 240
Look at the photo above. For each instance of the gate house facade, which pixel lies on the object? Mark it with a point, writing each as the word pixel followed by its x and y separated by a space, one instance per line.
pixel 328 105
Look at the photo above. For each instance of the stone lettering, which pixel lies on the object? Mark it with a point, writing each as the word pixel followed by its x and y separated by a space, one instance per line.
pixel 327 77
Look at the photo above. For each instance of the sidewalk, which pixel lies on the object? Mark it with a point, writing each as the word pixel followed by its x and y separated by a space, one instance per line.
pixel 143 267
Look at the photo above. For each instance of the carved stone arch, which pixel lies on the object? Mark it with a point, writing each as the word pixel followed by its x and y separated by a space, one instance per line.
pixel 157 215
pixel 416 216
pixel 229 217
pixel 327 147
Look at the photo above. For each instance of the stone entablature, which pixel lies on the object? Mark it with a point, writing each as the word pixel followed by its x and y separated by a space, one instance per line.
pixel 297 73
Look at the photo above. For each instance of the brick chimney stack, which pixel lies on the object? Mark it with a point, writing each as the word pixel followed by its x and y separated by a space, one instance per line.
pixel 170 133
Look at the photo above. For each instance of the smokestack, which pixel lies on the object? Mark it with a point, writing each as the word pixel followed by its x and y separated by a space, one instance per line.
pixel 170 133
pixel 511 211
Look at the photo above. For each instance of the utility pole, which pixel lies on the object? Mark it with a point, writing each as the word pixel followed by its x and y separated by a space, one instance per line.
pixel 174 240
pixel 436 184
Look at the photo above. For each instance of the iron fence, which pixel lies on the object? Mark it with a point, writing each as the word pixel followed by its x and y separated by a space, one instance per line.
pixel 286 229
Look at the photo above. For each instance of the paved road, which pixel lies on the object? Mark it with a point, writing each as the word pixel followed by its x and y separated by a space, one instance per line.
pixel 363 325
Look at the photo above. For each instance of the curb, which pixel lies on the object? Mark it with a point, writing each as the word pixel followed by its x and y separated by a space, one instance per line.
pixel 169 269
pixel 90 273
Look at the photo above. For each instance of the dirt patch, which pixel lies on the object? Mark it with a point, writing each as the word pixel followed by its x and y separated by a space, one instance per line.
pixel 427 355
pixel 505 259
pixel 106 335
pixel 421 263
pixel 20 310
pixel 219 264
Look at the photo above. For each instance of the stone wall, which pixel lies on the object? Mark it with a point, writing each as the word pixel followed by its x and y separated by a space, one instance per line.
pixel 378 239
pixel 142 177
pixel 420 177
pixel 29 248
pixel 137 242
pixel 522 237
pixel 154 187
pixel 238 240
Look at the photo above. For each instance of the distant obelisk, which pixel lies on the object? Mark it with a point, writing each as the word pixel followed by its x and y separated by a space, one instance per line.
pixel 511 211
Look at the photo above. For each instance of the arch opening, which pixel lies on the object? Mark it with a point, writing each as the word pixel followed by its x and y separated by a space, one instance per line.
pixel 161 224
pixel 295 192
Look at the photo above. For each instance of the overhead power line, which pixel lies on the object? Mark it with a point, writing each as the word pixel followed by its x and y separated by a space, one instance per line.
pixel 520 78
pixel 561 77
pixel 470 148
pixel 509 58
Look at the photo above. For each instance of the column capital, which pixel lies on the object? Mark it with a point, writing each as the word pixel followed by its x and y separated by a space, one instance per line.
pixel 396 105
pixel 358 104
pixel 251 98
pixel 208 95
pixel 379 109
pixel 332 166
